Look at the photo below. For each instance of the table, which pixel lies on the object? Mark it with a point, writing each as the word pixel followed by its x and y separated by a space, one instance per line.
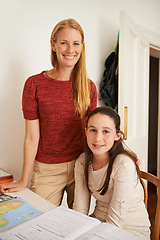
pixel 34 199
pixel 57 222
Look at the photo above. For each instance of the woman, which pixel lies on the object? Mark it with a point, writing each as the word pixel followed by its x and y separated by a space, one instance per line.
pixel 55 105
pixel 110 173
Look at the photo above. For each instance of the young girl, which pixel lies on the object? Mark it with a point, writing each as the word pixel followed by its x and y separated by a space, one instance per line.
pixel 109 173
pixel 55 106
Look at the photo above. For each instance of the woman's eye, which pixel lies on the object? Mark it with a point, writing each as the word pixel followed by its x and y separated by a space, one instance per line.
pixel 76 43
pixel 63 43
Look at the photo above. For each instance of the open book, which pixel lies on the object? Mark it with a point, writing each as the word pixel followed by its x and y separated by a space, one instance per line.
pixel 63 223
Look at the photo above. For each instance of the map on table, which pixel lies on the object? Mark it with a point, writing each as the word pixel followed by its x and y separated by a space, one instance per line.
pixel 15 211
pixel 5 197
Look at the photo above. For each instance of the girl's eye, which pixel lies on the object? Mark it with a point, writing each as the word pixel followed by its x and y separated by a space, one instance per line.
pixel 105 131
pixel 92 130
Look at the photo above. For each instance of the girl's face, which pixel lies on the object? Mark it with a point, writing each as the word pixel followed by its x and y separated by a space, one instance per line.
pixel 68 47
pixel 101 134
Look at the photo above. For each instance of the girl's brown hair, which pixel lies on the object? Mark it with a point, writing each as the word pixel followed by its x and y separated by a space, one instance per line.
pixel 118 147
pixel 79 81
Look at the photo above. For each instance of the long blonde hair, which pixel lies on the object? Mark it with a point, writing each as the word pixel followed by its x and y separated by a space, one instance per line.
pixel 79 81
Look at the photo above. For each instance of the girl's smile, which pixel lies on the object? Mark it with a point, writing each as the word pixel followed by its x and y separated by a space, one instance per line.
pixel 98 146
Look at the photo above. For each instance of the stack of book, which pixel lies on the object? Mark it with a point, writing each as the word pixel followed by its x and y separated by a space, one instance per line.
pixel 5 177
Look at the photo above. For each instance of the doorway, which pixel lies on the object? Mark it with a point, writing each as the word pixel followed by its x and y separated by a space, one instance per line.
pixel 153 128
pixel 153 136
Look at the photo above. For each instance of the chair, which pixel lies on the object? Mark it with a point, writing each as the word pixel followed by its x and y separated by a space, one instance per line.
pixel 155 228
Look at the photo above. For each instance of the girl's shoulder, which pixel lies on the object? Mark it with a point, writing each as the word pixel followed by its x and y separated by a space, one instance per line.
pixel 122 160
pixel 80 164
pixel 124 170
pixel 81 159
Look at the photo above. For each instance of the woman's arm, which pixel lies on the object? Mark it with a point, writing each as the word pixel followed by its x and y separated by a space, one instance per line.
pixel 124 180
pixel 81 193
pixel 31 141
pixel 93 97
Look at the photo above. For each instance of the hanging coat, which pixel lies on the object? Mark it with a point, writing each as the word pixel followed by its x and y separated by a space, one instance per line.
pixel 109 83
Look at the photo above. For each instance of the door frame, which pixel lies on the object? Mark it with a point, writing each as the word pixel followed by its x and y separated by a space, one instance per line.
pixel 154 41
pixel 134 57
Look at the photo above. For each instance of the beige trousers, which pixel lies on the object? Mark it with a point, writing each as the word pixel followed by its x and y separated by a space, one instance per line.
pixel 51 180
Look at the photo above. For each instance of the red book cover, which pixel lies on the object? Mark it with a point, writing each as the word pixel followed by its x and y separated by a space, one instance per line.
pixel 5 177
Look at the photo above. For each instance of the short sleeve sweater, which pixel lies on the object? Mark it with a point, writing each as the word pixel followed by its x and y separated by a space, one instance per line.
pixel 61 131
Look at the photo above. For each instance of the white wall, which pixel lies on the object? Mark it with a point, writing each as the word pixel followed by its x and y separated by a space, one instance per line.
pixel 26 26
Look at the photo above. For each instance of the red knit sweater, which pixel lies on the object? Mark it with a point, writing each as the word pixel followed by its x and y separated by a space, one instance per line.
pixel 61 131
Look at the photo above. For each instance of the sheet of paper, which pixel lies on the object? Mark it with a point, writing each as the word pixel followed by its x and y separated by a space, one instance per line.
pixel 106 231
pixel 59 223
pixel 3 173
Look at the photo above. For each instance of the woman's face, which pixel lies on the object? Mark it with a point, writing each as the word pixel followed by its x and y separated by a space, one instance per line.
pixel 101 134
pixel 68 47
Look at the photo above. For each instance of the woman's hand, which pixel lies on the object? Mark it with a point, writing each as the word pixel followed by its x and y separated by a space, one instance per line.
pixel 12 187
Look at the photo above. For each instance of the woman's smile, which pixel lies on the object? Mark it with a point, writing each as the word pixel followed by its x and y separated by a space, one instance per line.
pixel 68 47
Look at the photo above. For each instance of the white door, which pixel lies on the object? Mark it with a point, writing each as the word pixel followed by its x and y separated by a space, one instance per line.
pixel 133 95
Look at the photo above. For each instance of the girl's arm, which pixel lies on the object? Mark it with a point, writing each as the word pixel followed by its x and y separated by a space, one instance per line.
pixel 81 193
pixel 31 141
pixel 124 180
